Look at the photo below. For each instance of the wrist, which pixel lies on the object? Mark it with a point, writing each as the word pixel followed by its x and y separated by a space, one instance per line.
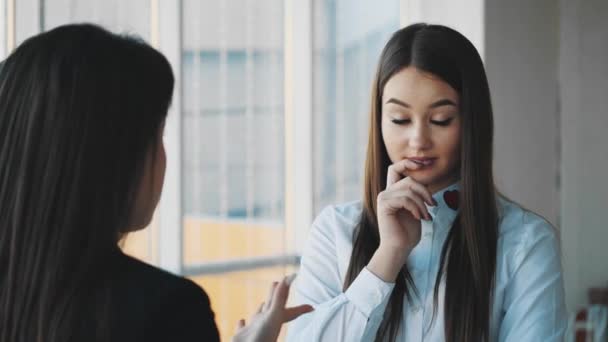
pixel 387 261
pixel 398 253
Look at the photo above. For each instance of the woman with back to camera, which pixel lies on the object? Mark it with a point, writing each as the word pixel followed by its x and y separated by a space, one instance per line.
pixel 82 163
pixel 432 252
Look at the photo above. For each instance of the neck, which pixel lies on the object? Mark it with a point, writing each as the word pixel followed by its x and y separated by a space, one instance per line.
pixel 442 184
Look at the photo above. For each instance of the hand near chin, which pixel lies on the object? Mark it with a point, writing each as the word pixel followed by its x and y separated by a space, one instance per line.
pixel 400 207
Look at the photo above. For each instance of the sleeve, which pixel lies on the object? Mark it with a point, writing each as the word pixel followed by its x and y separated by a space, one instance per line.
pixel 534 306
pixel 354 315
pixel 186 316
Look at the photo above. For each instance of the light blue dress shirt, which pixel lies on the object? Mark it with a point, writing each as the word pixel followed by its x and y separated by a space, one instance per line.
pixel 528 303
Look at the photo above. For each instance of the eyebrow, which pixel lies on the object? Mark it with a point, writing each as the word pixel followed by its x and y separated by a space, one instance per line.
pixel 442 102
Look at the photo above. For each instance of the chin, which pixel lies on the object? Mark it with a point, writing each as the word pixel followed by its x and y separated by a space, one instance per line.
pixel 139 224
pixel 430 179
pixel 424 178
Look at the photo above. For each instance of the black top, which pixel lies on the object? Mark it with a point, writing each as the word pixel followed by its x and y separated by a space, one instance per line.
pixel 153 306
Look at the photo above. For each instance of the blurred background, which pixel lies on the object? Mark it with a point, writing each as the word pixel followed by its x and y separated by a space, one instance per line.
pixel 269 122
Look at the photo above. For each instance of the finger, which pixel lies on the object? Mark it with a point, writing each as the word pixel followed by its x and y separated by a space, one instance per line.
pixel 393 176
pixel 423 192
pixel 290 278
pixel 399 170
pixel 419 201
pixel 411 206
pixel 420 189
pixel 268 301
pixel 280 295
pixel 408 200
pixel 296 311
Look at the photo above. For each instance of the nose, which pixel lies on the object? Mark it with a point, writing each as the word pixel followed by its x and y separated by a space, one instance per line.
pixel 420 137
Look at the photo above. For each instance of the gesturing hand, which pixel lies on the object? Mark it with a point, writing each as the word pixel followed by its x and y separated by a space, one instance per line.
pixel 265 324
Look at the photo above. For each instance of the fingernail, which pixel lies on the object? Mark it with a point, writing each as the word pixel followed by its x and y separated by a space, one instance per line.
pixel 290 278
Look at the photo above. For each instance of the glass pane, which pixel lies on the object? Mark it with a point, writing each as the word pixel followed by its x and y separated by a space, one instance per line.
pixel 4 30
pixel 348 37
pixel 131 16
pixel 233 163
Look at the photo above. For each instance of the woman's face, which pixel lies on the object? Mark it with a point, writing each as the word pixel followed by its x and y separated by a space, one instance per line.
pixel 151 185
pixel 421 122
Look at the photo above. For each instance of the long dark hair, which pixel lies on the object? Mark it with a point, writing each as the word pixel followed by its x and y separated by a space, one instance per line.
pixel 80 111
pixel 468 258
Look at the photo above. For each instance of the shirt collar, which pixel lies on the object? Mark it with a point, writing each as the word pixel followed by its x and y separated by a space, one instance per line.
pixel 447 200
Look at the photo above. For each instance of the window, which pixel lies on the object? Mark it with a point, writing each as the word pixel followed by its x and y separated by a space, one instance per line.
pixel 348 39
pixel 233 162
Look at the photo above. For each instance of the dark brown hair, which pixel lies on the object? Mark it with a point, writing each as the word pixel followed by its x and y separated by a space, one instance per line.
pixel 81 109
pixel 468 257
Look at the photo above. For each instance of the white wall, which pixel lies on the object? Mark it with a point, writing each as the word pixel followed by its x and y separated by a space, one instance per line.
pixel 465 16
pixel 521 40
pixel 547 63
pixel 583 74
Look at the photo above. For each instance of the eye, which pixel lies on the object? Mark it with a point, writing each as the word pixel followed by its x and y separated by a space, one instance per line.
pixel 442 122
pixel 401 121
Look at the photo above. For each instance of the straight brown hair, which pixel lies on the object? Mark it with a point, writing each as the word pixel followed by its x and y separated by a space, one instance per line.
pixel 468 257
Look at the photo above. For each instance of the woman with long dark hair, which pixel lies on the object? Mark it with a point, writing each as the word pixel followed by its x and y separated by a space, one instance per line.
pixel 433 252
pixel 82 163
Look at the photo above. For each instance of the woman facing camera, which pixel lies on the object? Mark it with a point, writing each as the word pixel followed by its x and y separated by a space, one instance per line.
pixel 432 251
pixel 82 163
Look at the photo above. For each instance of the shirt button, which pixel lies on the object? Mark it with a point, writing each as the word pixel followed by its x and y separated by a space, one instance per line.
pixel 415 309
pixel 428 234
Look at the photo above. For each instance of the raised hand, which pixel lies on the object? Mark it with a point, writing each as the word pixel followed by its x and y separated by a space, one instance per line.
pixel 400 207
pixel 265 324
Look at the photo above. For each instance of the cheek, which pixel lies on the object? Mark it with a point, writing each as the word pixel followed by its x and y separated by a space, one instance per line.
pixel 393 137
pixel 451 145
pixel 162 158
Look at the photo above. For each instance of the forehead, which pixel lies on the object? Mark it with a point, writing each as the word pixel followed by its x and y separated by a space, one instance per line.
pixel 417 88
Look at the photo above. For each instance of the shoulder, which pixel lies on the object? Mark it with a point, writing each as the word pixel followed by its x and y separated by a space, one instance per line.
pixel 330 239
pixel 338 222
pixel 158 285
pixel 520 223
pixel 524 234
pixel 153 280
pixel 166 304
pixel 343 216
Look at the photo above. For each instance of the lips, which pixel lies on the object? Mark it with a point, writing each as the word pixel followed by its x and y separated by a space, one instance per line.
pixel 423 161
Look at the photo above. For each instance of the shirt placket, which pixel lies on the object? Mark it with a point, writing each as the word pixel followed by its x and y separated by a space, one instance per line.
pixel 423 262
